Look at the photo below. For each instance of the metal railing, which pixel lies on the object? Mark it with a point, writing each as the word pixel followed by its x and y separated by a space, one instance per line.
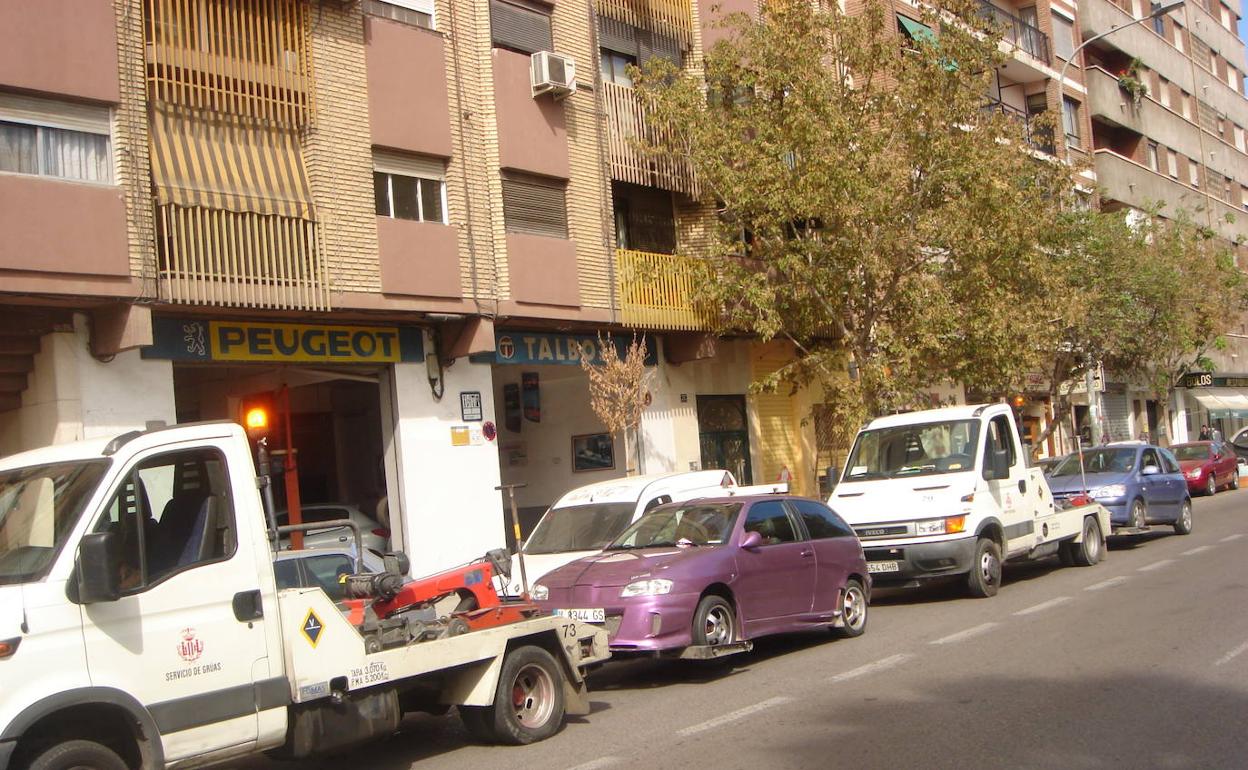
pixel 1037 136
pixel 627 123
pixel 672 18
pixel 656 290
pixel 1017 32
pixel 240 259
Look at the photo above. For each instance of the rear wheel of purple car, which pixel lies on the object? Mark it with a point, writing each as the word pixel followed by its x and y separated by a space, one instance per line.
pixel 714 622
pixel 853 610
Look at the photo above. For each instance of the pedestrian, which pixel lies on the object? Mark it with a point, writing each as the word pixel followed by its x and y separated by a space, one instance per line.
pixel 1204 432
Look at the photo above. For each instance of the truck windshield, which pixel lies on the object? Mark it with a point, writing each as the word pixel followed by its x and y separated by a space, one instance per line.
pixel 579 527
pixel 1096 461
pixel 680 525
pixel 38 508
pixel 923 449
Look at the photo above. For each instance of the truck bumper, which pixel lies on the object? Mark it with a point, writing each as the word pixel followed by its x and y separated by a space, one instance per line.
pixel 6 752
pixel 922 560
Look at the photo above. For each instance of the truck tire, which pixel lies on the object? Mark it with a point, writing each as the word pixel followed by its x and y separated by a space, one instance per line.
pixel 528 704
pixel 78 755
pixel 985 576
pixel 1092 549
pixel 1183 524
pixel 853 611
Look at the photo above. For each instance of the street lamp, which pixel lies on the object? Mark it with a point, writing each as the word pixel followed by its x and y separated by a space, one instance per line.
pixel 1161 10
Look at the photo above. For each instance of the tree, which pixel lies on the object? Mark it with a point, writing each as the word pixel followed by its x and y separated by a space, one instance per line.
pixel 874 212
pixel 617 393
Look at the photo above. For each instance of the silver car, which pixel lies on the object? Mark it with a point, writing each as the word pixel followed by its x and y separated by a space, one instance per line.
pixel 320 568
pixel 375 536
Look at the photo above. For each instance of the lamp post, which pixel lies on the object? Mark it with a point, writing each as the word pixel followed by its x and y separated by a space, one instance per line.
pixel 1160 11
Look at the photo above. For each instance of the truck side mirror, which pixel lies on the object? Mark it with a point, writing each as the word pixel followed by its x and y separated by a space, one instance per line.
pixel 99 568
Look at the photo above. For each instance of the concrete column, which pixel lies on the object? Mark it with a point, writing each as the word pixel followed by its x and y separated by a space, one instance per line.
pixel 447 510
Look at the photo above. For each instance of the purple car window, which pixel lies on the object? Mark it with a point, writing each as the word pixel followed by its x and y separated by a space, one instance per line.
pixel 771 521
pixel 820 521
pixel 673 524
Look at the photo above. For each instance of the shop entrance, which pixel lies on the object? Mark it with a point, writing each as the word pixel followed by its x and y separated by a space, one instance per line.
pixel 336 437
pixel 724 435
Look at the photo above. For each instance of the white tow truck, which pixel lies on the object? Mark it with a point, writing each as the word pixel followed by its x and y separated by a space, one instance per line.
pixel 141 625
pixel 948 492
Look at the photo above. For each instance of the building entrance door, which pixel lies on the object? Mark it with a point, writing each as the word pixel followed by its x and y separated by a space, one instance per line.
pixel 724 434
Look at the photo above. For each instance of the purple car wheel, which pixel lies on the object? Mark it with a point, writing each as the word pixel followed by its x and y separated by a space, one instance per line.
pixel 714 622
pixel 853 610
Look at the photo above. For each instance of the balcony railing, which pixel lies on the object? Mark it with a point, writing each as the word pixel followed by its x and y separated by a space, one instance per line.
pixel 240 259
pixel 1017 32
pixel 656 291
pixel 627 124
pixel 1037 136
pixel 671 18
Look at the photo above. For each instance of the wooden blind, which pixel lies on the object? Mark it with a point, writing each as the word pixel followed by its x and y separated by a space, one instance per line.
pixel 535 205
pixel 520 27
pixel 407 164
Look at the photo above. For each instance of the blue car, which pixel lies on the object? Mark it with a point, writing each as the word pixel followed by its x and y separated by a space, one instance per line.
pixel 1140 484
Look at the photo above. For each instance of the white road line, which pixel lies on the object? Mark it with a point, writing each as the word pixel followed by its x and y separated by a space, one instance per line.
pixel 871 668
pixel 1042 606
pixel 732 716
pixel 1155 565
pixel 596 764
pixel 1197 549
pixel 1229 538
pixel 1227 658
pixel 1114 581
pixel 965 634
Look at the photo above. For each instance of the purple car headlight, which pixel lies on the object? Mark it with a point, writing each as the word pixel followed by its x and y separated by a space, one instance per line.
pixel 652 587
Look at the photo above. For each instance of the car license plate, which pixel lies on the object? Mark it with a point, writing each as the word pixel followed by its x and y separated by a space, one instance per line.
pixel 883 566
pixel 598 615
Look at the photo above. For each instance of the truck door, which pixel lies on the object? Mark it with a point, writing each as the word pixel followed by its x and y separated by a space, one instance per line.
pixel 1008 487
pixel 173 639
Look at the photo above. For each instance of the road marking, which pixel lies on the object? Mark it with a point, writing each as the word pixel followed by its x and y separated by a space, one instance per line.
pixel 1155 565
pixel 732 716
pixel 1042 606
pixel 1197 549
pixel 1229 538
pixel 966 634
pixel 595 764
pixel 871 668
pixel 1114 581
pixel 1227 658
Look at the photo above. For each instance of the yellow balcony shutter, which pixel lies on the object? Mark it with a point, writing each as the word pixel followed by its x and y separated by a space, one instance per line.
pixel 228 164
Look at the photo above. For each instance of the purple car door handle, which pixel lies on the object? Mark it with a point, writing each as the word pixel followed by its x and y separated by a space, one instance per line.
pixel 807 554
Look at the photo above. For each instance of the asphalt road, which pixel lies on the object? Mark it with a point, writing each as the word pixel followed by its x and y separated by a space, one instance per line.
pixel 1138 662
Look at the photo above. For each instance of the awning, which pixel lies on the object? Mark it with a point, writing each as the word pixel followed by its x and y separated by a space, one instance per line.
pixel 229 164
pixel 920 33
pixel 1223 400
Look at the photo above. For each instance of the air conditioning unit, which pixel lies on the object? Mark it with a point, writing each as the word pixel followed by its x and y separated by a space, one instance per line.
pixel 553 73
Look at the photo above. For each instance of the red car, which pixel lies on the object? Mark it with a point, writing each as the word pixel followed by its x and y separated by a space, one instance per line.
pixel 1208 466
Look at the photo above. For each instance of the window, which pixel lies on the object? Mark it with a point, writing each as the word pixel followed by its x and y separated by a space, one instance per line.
pixel 1237 135
pixel 1152 156
pixel 172 513
pixel 535 205
pixel 820 521
pixel 57 139
pixel 520 26
pixel 39 507
pixel 1193 173
pixel 1172 163
pixel 1202 54
pixel 324 572
pixel 1185 100
pixel 1063 37
pixel 999 439
pixel 1150 458
pixel 1159 22
pixel 614 67
pixel 770 520
pixel 1163 92
pixel 409 187
pixel 1227 189
pixel 656 502
pixel 416 13
pixel 1070 121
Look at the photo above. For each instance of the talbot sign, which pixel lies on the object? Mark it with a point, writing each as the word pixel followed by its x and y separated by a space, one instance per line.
pixel 529 348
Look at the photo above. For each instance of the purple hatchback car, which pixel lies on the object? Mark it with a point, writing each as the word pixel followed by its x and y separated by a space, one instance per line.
pixel 702 578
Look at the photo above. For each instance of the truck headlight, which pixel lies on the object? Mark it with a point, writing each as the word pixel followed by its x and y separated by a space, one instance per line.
pixel 1109 490
pixel 947 526
pixel 540 593
pixel 652 587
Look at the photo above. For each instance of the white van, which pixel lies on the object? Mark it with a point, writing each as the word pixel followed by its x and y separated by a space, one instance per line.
pixel 586 519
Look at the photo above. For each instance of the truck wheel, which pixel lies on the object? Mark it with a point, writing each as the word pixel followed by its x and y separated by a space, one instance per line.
pixel 78 755
pixel 1183 524
pixel 853 611
pixel 1066 553
pixel 1090 551
pixel 528 704
pixel 985 575
pixel 714 622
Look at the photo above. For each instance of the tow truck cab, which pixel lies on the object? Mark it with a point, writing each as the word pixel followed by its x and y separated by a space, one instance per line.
pixel 141 625
pixel 948 492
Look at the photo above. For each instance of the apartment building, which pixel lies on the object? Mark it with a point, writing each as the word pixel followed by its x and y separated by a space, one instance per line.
pixel 1168 110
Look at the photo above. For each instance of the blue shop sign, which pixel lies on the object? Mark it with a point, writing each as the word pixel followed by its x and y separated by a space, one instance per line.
pixel 531 348
pixel 184 339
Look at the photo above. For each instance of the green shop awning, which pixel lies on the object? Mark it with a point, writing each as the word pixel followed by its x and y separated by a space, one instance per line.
pixel 920 33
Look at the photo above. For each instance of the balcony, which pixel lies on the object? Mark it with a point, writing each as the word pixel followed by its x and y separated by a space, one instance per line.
pixel 240 259
pixel 671 18
pixel 1039 138
pixel 1127 181
pixel 1017 32
pixel 656 291
pixel 627 125
pixel 1137 40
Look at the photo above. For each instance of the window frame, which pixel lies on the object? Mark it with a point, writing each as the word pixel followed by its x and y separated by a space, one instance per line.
pixel 833 518
pixel 393 165
pixel 41 158
pixel 1073 107
pixel 1152 151
pixel 560 186
pixel 521 7
pixel 795 524
pixel 1060 36
pixel 409 12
